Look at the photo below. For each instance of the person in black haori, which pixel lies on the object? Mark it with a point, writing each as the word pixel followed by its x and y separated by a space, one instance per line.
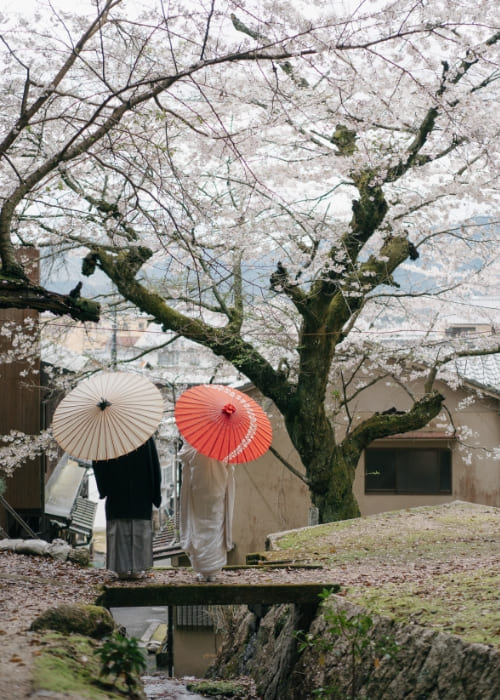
pixel 131 486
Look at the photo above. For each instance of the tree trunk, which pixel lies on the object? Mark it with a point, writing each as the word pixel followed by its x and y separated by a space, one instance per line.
pixel 338 501
pixel 330 475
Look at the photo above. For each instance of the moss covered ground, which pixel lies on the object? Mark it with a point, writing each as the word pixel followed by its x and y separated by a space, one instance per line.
pixel 67 664
pixel 435 566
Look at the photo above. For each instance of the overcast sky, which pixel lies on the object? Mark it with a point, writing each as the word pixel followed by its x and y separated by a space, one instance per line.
pixel 29 6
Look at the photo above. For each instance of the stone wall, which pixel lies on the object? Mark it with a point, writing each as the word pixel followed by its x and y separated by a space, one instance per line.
pixel 426 664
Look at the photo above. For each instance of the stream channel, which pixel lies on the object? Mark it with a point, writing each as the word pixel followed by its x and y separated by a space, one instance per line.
pixel 142 622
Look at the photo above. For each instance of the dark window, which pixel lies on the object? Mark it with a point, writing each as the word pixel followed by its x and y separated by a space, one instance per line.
pixel 405 470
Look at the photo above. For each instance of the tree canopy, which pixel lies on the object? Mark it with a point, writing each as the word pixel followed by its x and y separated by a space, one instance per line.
pixel 271 181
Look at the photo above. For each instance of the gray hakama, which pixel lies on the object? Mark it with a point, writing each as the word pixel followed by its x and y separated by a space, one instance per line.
pixel 129 545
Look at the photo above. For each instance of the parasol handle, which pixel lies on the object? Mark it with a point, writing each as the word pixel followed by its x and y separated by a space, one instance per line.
pixel 103 403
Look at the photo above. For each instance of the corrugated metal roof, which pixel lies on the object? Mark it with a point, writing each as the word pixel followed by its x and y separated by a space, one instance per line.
pixel 63 487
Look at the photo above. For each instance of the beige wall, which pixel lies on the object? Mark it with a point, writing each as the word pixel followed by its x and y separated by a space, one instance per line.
pixel 194 651
pixel 269 498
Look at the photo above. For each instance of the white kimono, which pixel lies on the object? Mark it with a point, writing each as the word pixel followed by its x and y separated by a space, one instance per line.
pixel 207 503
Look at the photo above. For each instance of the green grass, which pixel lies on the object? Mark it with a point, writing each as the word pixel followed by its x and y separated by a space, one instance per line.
pixel 226 689
pixel 396 537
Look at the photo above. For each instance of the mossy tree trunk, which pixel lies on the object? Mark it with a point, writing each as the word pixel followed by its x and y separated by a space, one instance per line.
pixel 331 466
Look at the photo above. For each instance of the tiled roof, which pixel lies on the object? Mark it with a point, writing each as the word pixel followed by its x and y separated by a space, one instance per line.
pixel 481 370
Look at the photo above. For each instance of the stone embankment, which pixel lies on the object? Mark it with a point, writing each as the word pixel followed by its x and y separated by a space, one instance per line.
pixel 417 616
pixel 423 664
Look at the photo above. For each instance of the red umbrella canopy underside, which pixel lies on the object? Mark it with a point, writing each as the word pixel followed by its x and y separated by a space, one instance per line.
pixel 223 423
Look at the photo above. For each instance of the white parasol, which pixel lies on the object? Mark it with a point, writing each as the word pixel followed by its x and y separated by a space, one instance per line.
pixel 107 416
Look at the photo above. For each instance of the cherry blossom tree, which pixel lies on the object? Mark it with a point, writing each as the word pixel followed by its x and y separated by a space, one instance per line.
pixel 271 182
pixel 69 92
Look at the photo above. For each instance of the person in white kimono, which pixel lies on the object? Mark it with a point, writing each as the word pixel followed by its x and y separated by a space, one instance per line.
pixel 206 511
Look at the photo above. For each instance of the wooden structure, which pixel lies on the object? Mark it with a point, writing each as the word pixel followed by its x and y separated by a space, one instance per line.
pixel 213 594
pixel 20 410
pixel 258 597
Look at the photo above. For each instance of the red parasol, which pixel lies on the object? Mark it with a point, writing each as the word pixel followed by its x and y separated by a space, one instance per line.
pixel 223 423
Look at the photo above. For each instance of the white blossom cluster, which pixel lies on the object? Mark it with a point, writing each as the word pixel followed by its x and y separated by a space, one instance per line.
pixel 17 448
